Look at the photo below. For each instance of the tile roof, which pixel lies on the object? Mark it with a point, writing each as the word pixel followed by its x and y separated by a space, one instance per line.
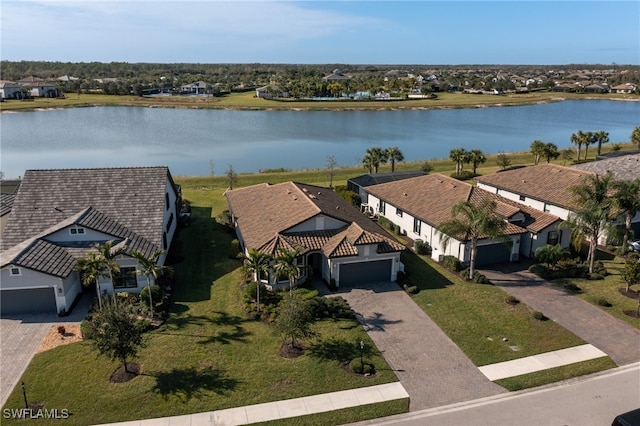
pixel 6 203
pixel 625 167
pixel 132 197
pixel 431 197
pixel 545 182
pixel 266 213
pixel 378 178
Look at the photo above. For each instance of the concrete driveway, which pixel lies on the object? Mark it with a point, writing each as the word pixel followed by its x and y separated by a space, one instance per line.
pixel 432 369
pixel 20 338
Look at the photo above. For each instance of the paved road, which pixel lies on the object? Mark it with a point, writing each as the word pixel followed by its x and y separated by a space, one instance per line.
pixel 20 338
pixel 616 338
pixel 586 401
pixel 432 369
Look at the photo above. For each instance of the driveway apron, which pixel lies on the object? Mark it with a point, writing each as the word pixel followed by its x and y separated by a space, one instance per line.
pixel 20 338
pixel 616 338
pixel 432 369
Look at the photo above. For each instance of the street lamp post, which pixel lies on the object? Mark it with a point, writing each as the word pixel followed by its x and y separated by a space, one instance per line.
pixel 24 394
pixel 361 353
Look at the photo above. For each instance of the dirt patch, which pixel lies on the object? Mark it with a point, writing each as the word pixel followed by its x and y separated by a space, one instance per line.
pixel 631 294
pixel 122 376
pixel 54 338
pixel 289 351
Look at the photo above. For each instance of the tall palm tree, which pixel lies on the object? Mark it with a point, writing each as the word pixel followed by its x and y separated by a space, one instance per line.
pixel 379 156
pixel 91 269
pixel 472 222
pixel 601 137
pixel 477 157
pixel 550 151
pixel 589 138
pixel 394 154
pixel 537 149
pixel 286 266
pixel 257 263
pixel 595 213
pixel 627 198
pixel 368 161
pixel 148 266
pixel 578 139
pixel 458 155
pixel 107 253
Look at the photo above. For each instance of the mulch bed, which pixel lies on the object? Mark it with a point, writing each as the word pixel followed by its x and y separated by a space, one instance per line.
pixel 122 376
pixel 289 351
pixel 345 366
pixel 631 294
pixel 632 313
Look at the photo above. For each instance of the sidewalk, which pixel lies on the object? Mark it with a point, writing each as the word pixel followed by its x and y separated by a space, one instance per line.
pixel 282 409
pixel 540 362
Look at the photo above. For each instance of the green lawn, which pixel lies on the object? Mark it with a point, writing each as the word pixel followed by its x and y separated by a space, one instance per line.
pixel 208 356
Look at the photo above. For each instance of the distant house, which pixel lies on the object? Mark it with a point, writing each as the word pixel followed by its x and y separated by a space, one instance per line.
pixel 271 91
pixel 58 215
pixel 335 241
pixel 336 75
pixel 196 88
pixel 420 205
pixel 359 183
pixel 10 89
pixel 596 88
pixel 38 87
pixel 624 88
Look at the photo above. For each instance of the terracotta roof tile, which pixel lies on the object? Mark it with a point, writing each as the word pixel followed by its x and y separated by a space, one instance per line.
pixel 545 182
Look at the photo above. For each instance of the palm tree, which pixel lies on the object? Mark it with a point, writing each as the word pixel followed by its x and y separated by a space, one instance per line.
pixel 148 266
pixel 550 151
pixel 394 154
pixel 594 216
pixel 458 155
pixel 379 156
pixel 91 269
pixel 368 161
pixel 257 263
pixel 107 254
pixel 627 198
pixel 477 157
pixel 286 266
pixel 601 137
pixel 635 136
pixel 471 222
pixel 589 138
pixel 578 139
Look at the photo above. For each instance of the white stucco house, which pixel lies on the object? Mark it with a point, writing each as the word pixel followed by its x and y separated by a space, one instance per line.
pixel 335 241
pixel 420 205
pixel 58 216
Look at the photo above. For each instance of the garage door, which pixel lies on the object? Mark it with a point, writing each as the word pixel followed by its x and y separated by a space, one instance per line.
pixel 354 274
pixel 494 253
pixel 30 301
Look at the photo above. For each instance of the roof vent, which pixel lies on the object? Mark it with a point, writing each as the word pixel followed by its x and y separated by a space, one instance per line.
pixel 337 207
pixel 288 191
pixel 319 193
pixel 405 194
pixel 524 181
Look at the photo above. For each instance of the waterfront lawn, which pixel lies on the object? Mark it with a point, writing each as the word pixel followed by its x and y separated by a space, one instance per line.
pixel 207 356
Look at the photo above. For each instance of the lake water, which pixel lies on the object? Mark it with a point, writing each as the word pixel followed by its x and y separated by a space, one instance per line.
pixel 188 140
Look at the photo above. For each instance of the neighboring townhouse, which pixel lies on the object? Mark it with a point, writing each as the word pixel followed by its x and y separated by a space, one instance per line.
pixel 9 90
pixel 59 215
pixel 622 167
pixel 624 88
pixel 359 183
pixel 271 91
pixel 420 205
pixel 335 242
pixel 195 88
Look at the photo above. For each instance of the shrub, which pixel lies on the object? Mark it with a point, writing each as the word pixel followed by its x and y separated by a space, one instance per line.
pixel 234 249
pixel 600 301
pixel 512 300
pixel 422 247
pixel 464 175
pixel 383 221
pixel 540 270
pixel 157 295
pixel 401 277
pixel 572 288
pixel 361 367
pixel 348 195
pixel 330 307
pixel 539 316
pixel 596 276
pixel 550 254
pixel 599 268
pixel 411 289
pixel 86 329
pixel 452 263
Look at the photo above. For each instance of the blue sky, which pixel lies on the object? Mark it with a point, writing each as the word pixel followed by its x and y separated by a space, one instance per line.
pixel 321 32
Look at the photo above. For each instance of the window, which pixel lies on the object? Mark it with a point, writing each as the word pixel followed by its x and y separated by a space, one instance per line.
pixel 417 226
pixel 522 198
pixel 126 278
pixel 382 206
pixel 399 212
pixel 547 208
pixel 553 237
pixel 15 272
pixel 76 231
pixel 170 222
pixel 164 240
pixel 166 200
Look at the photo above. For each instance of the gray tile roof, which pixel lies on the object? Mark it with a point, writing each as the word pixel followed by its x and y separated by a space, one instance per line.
pixel 626 167
pixel 6 203
pixel 378 178
pixel 51 200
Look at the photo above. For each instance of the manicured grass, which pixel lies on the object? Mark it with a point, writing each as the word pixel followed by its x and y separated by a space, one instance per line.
pixel 556 374
pixel 247 100
pixel 607 289
pixel 477 318
pixel 208 356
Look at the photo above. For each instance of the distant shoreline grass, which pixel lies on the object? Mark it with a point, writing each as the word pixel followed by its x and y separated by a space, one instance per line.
pixel 247 101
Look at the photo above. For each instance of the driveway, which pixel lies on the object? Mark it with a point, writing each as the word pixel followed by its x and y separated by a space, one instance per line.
pixel 20 338
pixel 432 369
pixel 616 338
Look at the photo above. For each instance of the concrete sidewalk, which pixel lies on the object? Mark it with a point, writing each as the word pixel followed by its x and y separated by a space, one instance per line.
pixel 282 409
pixel 540 362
